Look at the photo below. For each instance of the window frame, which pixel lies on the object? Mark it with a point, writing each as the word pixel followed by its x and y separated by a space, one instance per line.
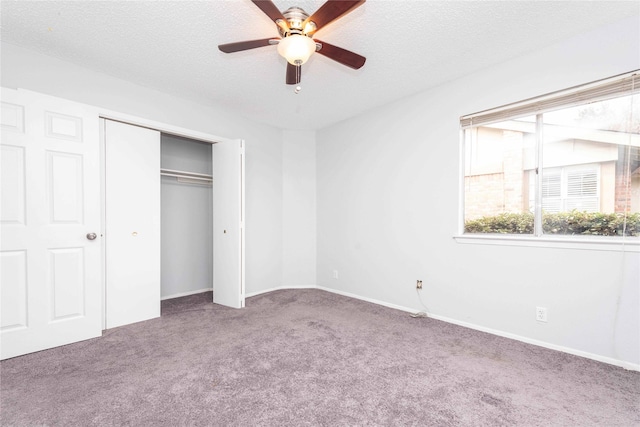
pixel 621 85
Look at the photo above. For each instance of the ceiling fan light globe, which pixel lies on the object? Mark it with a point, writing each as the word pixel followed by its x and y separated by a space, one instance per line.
pixel 296 48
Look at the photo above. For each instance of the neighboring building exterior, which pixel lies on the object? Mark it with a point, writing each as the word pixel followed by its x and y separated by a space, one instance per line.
pixel 583 169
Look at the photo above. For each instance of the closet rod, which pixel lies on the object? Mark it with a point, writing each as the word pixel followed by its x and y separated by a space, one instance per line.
pixel 184 174
pixel 186 177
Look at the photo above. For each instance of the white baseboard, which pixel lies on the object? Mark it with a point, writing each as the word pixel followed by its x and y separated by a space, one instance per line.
pixel 609 360
pixel 184 294
pixel 279 288
pixel 371 300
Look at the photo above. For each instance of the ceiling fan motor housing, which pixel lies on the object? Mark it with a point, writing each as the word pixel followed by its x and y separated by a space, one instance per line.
pixel 295 17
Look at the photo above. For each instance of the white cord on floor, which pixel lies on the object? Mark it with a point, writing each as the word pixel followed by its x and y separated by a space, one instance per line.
pixel 420 313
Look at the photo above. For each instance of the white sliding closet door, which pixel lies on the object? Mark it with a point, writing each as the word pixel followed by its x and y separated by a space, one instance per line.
pixel 50 257
pixel 132 219
pixel 228 223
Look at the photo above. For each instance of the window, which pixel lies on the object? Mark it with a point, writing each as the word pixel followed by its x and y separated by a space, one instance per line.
pixel 563 164
pixel 568 188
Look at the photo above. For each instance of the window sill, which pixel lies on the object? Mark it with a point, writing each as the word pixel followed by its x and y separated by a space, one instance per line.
pixel 630 244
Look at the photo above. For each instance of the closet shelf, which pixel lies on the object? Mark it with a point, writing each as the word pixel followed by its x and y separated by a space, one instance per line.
pixel 186 175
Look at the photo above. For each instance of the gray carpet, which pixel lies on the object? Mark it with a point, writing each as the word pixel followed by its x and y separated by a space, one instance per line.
pixel 308 357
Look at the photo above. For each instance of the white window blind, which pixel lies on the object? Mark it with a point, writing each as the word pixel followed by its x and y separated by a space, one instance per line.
pixel 566 189
pixel 628 83
pixel 582 183
pixel 582 191
pixel 552 192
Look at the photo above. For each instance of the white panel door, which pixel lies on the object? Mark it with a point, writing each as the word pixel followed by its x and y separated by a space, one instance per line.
pixel 132 223
pixel 228 223
pixel 50 281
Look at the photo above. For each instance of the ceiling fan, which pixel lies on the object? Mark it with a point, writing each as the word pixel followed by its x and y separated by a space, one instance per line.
pixel 296 29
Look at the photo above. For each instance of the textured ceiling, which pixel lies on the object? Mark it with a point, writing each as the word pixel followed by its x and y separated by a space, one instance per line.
pixel 410 46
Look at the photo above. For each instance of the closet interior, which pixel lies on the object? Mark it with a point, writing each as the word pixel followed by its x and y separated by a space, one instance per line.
pixel 186 217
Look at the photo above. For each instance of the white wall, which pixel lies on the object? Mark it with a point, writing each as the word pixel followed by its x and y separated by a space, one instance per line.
pixel 299 209
pixel 387 197
pixel 26 69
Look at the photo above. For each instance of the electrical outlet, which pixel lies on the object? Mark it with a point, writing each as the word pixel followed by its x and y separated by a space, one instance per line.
pixel 418 284
pixel 335 274
pixel 541 314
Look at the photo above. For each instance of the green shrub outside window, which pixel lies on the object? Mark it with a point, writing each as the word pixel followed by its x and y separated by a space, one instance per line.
pixel 565 223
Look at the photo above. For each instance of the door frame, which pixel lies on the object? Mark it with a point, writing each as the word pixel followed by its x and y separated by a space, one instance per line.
pixel 105 114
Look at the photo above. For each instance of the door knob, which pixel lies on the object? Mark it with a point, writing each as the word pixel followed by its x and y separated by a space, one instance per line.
pixel 91 236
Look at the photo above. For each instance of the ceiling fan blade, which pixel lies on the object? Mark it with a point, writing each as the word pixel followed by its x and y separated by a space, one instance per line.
pixel 343 56
pixel 330 11
pixel 272 12
pixel 294 74
pixel 245 45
